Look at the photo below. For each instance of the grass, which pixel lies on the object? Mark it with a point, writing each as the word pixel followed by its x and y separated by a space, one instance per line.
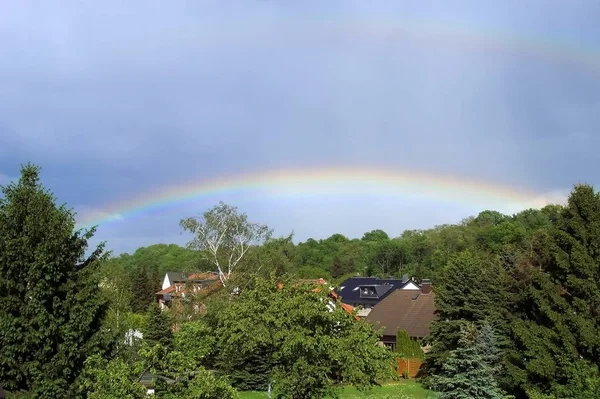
pixel 401 390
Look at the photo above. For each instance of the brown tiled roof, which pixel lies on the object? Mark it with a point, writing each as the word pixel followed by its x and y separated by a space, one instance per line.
pixel 408 310
pixel 167 290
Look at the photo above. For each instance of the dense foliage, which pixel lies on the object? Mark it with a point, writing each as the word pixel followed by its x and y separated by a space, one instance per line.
pixel 50 304
pixel 406 347
pixel 295 337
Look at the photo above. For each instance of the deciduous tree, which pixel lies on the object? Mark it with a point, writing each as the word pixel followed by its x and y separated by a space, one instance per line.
pixel 224 235
pixel 307 343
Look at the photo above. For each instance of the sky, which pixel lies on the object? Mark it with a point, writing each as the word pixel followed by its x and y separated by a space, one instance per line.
pixel 121 101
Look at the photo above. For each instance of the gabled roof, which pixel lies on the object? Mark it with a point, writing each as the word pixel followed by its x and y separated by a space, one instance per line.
pixel 411 311
pixel 179 277
pixel 167 290
pixel 175 277
pixel 350 292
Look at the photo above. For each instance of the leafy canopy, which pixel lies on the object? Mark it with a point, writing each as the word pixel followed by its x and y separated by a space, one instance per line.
pixel 307 341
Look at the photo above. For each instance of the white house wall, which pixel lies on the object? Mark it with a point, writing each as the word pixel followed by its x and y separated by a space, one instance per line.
pixel 166 283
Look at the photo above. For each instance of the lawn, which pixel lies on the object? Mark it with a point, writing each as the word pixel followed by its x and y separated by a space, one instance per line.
pixel 401 390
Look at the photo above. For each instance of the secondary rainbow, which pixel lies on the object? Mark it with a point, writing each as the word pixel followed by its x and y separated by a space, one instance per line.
pixel 455 34
pixel 337 182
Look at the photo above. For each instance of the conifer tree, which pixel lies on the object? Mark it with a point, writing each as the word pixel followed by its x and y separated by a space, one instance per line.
pixel 50 304
pixel 467 373
pixel 140 289
pixel 156 282
pixel 472 288
pixel 158 326
pixel 557 341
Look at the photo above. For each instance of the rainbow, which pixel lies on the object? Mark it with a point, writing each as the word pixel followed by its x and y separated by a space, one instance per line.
pixel 443 34
pixel 486 40
pixel 338 182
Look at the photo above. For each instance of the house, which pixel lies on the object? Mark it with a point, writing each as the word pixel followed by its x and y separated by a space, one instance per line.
pixel 366 292
pixel 176 285
pixel 409 310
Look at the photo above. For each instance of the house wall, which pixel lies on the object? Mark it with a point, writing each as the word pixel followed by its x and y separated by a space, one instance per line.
pixel 166 283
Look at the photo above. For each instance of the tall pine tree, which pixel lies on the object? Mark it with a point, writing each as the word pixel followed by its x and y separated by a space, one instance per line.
pixel 50 303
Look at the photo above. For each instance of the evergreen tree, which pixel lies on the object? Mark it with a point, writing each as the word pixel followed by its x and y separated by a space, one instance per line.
pixel 156 282
pixel 337 268
pixel 467 373
pixel 158 327
pixel 406 347
pixel 50 302
pixel 472 288
pixel 558 340
pixel 141 286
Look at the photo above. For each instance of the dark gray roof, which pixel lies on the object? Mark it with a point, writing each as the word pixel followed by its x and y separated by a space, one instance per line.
pixel 176 277
pixel 350 291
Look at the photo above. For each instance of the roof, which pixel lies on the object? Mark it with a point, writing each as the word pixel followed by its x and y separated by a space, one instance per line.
pixel 208 285
pixel 175 277
pixel 411 311
pixel 207 276
pixel 167 290
pixel 350 293
pixel 179 277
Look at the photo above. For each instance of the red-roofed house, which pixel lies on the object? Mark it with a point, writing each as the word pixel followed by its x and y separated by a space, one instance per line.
pixel 177 285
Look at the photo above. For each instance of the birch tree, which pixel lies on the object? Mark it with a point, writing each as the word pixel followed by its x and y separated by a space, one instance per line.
pixel 224 236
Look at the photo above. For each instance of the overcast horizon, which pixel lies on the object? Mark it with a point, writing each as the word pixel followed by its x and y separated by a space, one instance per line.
pixel 116 101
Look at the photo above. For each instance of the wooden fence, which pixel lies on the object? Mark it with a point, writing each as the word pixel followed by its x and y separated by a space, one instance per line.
pixel 412 365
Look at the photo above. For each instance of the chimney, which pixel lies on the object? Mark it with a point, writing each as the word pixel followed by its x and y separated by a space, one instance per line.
pixel 426 286
pixel 405 278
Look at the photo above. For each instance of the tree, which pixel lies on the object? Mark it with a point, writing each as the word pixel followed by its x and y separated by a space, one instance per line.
pixel 117 288
pixel 299 340
pixel 158 327
pixel 111 379
pixel 181 377
pixel 142 290
pixel 406 347
pixel 225 236
pixel 467 372
pixel 472 288
pixel 339 268
pixel 375 235
pixel 155 281
pixel 51 306
pixel 557 339
pixel 195 339
pixel 387 257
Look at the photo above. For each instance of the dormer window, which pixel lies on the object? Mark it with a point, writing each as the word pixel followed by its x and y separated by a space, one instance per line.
pixel 368 292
